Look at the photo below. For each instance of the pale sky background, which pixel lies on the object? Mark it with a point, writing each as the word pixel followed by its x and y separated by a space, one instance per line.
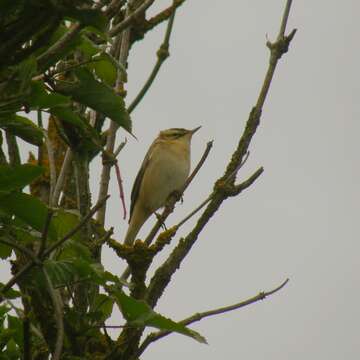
pixel 299 219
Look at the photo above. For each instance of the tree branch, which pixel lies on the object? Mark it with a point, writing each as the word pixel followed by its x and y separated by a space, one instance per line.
pixel 62 176
pixel 60 45
pixel 222 187
pixel 53 247
pixel 110 140
pixel 163 15
pixel 58 314
pixel 24 250
pixel 52 166
pixel 162 55
pixel 72 232
pixel 44 234
pixel 199 316
pixel 13 149
pixel 117 29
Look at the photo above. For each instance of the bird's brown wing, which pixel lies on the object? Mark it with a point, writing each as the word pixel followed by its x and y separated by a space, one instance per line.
pixel 139 178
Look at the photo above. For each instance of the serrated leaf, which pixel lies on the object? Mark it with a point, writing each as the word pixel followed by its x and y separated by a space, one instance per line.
pixel 101 307
pixel 28 209
pixel 90 92
pixel 64 221
pixel 60 272
pixel 22 127
pixel 138 313
pixel 16 177
pixel 39 98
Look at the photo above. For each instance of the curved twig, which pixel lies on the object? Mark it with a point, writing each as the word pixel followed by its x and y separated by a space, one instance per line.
pixel 199 316
pixel 162 55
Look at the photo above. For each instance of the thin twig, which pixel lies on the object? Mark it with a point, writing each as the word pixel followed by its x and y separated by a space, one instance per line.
pixel 60 45
pixel 162 55
pixel 162 15
pixel 26 337
pixel 21 314
pixel 119 148
pixel 199 316
pixel 62 176
pixel 13 149
pixel 58 314
pixel 121 189
pixel 24 250
pixel 52 166
pixel 117 29
pixel 72 232
pixel 44 234
pixel 111 137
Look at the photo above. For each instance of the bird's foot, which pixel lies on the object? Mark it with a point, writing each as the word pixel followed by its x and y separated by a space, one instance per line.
pixel 160 219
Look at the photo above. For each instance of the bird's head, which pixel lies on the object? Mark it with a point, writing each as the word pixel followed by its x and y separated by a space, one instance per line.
pixel 177 133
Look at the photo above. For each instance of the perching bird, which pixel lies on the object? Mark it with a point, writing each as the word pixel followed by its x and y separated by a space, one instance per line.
pixel 164 170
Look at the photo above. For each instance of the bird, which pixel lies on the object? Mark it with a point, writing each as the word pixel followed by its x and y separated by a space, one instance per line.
pixel 164 170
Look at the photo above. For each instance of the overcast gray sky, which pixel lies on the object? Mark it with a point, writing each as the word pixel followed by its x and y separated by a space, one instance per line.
pixel 299 219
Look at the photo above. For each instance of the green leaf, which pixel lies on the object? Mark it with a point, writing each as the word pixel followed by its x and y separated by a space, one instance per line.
pixel 88 48
pixel 97 96
pixel 138 313
pixel 41 99
pixel 16 177
pixel 56 36
pixel 60 272
pixel 101 307
pixel 64 221
pixel 105 69
pixel 91 17
pixel 11 293
pixel 28 209
pixel 24 236
pixel 4 308
pixel 16 324
pixel 22 127
pixel 5 251
pixel 68 115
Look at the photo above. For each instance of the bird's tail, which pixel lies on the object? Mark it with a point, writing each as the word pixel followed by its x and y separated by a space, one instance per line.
pixel 137 220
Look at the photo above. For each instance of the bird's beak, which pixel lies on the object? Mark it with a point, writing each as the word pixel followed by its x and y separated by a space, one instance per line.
pixel 193 131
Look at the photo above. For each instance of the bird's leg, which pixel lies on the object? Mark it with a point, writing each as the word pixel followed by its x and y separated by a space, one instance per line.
pixel 177 195
pixel 160 219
